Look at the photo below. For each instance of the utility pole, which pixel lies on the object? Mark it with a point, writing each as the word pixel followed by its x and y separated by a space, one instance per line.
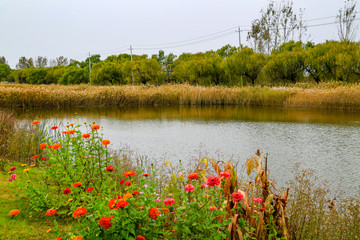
pixel 89 68
pixel 239 31
pixel 132 73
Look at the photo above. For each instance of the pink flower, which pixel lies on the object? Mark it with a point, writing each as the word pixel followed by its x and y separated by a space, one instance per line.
pixel 180 174
pixel 212 181
pixel 12 169
pixel 13 176
pixel 224 174
pixel 262 209
pixel 158 200
pixel 128 183
pixel 212 208
pixel 10 179
pixel 258 200
pixel 189 187
pixel 193 176
pixel 237 196
pixel 169 201
pixel 175 219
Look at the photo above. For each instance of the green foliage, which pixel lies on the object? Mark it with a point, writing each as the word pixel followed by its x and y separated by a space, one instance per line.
pixel 5 71
pixel 54 74
pixel 74 75
pixel 37 76
pixel 111 73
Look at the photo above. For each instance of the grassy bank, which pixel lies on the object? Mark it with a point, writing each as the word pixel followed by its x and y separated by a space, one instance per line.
pixel 315 96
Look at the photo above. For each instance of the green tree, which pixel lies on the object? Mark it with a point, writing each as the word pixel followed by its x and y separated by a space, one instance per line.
pixel 226 51
pixel 74 75
pixel 5 71
pixel 54 74
pixel 3 60
pixel 36 76
pixel 41 62
pixel 110 73
pixel 25 63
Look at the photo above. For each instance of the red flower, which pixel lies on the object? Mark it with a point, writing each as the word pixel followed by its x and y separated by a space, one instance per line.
pixel 35 156
pixel 154 213
pixel 112 203
pixel 169 201
pixel 129 174
pixel 110 169
pixel 224 174
pixel 165 210
pixel 105 142
pixel 105 222
pixel 135 192
pixel 51 212
pixel 65 132
pixel 77 184
pixel 145 175
pixel 90 189
pixel 139 238
pixel 122 181
pixel 212 181
pixel 72 131
pixel 95 127
pixel 54 127
pixel 55 146
pixel 189 187
pixel 212 208
pixel 35 122
pixel 66 191
pixel 43 159
pixel 237 196
pixel 80 212
pixel 85 135
pixel 43 145
pixel 59 238
pixel 193 176
pixel 258 200
pixel 14 212
pixel 122 203
pixel 128 183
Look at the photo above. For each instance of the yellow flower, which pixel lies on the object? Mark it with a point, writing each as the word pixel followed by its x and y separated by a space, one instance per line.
pixel 57 172
pixel 206 196
pixel 126 189
pixel 9 172
pixel 26 170
pixel 26 185
pixel 70 199
pixel 49 230
pixel 23 165
pixel 84 122
pixel 93 122
pixel 28 181
pixel 33 165
pixel 127 195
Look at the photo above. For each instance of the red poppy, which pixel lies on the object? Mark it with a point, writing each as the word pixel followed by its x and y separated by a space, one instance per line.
pixel 66 191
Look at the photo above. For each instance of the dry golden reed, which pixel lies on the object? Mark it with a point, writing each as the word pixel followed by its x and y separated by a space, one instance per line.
pixel 323 96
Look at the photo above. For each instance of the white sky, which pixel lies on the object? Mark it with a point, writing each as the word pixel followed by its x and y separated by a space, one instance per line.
pixel 73 28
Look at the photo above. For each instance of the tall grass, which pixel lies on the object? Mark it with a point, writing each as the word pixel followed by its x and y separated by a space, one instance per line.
pixel 322 96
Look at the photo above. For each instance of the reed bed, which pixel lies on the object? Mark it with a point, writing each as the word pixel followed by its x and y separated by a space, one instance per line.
pixel 322 96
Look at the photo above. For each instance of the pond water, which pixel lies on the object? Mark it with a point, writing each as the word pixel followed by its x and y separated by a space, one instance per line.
pixel 326 141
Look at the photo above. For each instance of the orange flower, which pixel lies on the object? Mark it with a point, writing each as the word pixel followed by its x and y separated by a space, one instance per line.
pixel 145 175
pixel 128 174
pixel 165 210
pixel 77 184
pixel 65 132
pixel 105 222
pixel 35 156
pixel 105 142
pixel 121 203
pixel 78 238
pixel 59 238
pixel 71 124
pixel 140 238
pixel 72 131
pixel 43 145
pixel 154 213
pixel 212 208
pixel 51 212
pixel 54 127
pixel 14 212
pixel 112 203
pixel 127 195
pixel 85 135
pixel 95 127
pixel 135 192
pixel 55 146
pixel 193 176
pixel 110 169
pixel 35 122
pixel 80 212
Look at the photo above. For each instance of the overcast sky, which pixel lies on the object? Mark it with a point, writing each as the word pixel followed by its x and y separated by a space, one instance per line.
pixel 73 28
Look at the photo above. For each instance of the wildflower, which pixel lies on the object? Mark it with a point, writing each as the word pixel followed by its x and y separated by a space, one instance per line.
pixel 212 208
pixel 55 146
pixel 51 212
pixel 54 127
pixel 70 199
pixel 158 200
pixel 43 159
pixel 112 203
pixel 77 184
pixel 145 175
pixel 212 181
pixel 105 142
pixel 90 189
pixel 180 174
pixel 85 135
pixel 204 185
pixel 258 200
pixel 32 165
pixel 64 132
pixel 224 174
pixel 71 132
pixel 78 237
pixel 129 174
pixel 13 176
pixel 122 203
pixel 110 169
pixel 105 222
pixel 93 122
pixel 173 230
pixel 145 185
pixel 35 122
pixel 193 176
pixel 59 238
pixel 28 181
pixel 165 210
pixel 175 219
pixel 12 169
pixel 95 127
pixel 206 196
pixel 135 192
pixel 26 170
pixel 127 195
pixel 14 212
pixel 43 145
pixel 80 212
pixel 189 187
pixel 122 181
pixel 139 238
pixel 262 209
pixel 66 191
pixel 128 183
pixel 237 196
pixel 35 156
pixel 10 179
pixel 154 213
pixel 23 165
pixel 49 230
pixel 169 201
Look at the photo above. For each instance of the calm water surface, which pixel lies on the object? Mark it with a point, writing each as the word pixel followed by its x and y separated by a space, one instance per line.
pixel 326 141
